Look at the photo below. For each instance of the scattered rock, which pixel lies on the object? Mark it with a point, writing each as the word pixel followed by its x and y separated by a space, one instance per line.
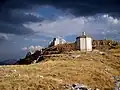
pixel 41 76
pixel 76 87
pixel 75 56
pixel 102 53
pixel 79 87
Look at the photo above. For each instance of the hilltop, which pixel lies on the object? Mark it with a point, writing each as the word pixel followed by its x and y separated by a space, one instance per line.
pixel 102 45
pixel 62 65
pixel 57 71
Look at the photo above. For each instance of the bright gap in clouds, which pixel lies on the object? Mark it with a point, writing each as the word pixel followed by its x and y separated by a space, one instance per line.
pixel 70 25
pixel 49 12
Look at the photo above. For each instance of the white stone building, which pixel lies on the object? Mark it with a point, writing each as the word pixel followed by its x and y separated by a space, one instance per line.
pixel 57 41
pixel 84 43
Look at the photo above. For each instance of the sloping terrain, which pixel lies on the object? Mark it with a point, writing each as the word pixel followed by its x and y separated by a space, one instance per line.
pixel 92 69
pixel 102 45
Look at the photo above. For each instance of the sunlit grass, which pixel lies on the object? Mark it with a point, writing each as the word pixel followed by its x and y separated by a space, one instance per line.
pixel 91 69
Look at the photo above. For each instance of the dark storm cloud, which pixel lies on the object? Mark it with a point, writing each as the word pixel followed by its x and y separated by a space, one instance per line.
pixel 11 22
pixel 78 7
pixel 12 11
pixel 14 29
pixel 17 17
pixel 12 17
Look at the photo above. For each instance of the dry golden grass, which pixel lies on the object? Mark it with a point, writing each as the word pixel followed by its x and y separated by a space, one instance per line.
pixel 115 52
pixel 92 69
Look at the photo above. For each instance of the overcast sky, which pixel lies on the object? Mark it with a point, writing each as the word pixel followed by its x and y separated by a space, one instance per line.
pixel 25 23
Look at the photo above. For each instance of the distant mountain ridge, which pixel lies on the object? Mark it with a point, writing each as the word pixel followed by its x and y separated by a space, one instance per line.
pixel 8 62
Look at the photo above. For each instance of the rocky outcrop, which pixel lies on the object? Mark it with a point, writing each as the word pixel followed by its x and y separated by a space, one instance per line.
pixel 59 48
pixel 31 58
pixel 104 44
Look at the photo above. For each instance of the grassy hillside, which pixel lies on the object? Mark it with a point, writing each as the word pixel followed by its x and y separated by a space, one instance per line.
pixel 92 69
